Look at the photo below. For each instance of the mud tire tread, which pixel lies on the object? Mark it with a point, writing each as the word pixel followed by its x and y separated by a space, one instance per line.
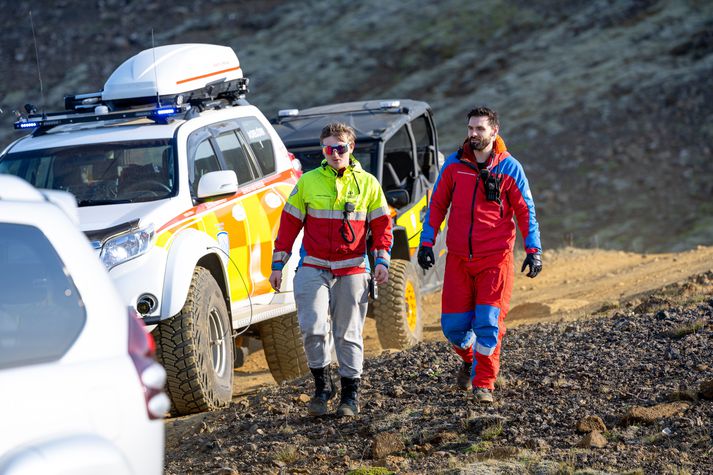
pixel 389 309
pixel 282 343
pixel 179 349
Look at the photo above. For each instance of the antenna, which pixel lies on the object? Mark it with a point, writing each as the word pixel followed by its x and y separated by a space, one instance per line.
pixel 37 57
pixel 155 68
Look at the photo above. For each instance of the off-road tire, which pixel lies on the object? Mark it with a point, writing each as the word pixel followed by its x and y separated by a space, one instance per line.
pixel 198 362
pixel 282 343
pixel 397 310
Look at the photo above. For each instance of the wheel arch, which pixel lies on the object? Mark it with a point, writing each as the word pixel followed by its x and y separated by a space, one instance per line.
pixel 215 266
pixel 189 249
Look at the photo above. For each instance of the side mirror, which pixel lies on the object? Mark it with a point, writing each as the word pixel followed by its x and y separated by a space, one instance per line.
pixel 398 198
pixel 223 182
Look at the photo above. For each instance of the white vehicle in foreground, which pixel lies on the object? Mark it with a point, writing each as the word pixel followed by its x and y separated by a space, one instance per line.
pixel 80 390
pixel 180 185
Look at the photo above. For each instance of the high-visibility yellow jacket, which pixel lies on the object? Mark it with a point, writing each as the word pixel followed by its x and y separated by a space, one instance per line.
pixel 336 209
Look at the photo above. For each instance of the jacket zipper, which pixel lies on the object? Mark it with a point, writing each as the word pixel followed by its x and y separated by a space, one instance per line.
pixel 334 202
pixel 472 217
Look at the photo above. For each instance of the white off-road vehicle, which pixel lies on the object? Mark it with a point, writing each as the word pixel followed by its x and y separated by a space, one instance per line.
pixel 180 185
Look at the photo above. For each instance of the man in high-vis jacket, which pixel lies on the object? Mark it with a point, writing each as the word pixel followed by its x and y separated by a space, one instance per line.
pixel 477 284
pixel 336 204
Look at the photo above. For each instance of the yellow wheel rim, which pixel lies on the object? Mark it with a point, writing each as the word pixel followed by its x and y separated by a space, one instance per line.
pixel 411 306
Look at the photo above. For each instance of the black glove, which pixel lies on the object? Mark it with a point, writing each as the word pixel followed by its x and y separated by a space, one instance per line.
pixel 425 257
pixel 533 260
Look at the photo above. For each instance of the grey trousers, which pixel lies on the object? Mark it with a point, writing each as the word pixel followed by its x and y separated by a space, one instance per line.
pixel 338 304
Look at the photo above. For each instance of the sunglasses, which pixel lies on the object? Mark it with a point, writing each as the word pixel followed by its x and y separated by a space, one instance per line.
pixel 340 148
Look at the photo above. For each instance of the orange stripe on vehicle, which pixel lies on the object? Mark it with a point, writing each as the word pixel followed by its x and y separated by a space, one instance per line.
pixel 285 178
pixel 207 75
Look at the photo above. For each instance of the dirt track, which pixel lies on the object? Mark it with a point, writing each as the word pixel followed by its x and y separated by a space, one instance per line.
pixel 574 283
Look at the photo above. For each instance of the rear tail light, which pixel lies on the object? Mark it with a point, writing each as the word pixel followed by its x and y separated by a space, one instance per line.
pixel 296 164
pixel 142 350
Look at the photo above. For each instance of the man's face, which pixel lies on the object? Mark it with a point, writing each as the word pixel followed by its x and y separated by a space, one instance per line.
pixel 331 147
pixel 480 133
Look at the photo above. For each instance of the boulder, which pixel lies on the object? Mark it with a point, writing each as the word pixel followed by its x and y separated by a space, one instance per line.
pixel 591 423
pixel 705 390
pixel 594 439
pixel 649 415
pixel 386 444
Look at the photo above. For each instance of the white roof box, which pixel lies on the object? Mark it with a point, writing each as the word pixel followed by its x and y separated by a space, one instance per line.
pixel 171 70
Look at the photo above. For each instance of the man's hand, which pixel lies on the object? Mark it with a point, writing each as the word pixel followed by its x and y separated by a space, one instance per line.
pixel 534 261
pixel 426 258
pixel 381 274
pixel 276 280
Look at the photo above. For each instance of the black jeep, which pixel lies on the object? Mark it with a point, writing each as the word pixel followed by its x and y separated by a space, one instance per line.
pixel 396 142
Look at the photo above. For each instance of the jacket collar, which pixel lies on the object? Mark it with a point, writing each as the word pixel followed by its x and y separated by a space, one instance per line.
pixel 499 153
pixel 353 167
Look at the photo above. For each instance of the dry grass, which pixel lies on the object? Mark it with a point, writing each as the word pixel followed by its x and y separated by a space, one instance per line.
pixel 287 454
pixel 492 432
pixel 479 447
pixel 684 329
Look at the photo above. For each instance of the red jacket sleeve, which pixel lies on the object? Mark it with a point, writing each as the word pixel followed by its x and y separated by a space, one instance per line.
pixel 438 207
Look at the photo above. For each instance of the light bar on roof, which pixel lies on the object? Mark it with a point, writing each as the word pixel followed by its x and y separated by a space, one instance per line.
pixel 288 112
pixel 25 124
pixel 389 104
pixel 157 114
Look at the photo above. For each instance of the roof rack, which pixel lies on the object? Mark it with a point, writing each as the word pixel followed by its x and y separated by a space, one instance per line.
pixel 157 84
pixel 41 123
pixel 387 106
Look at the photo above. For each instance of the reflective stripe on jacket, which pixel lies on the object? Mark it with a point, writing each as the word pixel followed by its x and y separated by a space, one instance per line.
pixel 478 227
pixel 319 204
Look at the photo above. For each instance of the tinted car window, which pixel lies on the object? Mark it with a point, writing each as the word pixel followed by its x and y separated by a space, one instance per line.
pixel 235 156
pixel 41 312
pixel 260 142
pixel 204 161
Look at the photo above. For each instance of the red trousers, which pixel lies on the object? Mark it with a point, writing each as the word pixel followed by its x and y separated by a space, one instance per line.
pixel 475 300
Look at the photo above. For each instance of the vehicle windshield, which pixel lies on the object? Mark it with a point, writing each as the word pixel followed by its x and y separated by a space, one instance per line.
pixel 311 157
pixel 101 173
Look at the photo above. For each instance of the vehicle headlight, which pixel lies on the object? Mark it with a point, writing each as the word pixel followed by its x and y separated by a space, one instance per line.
pixel 126 246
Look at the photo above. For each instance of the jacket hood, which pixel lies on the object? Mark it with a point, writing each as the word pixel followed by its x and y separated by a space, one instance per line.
pixel 500 151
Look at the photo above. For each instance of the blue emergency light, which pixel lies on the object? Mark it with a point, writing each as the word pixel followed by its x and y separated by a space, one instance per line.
pixel 160 115
pixel 166 111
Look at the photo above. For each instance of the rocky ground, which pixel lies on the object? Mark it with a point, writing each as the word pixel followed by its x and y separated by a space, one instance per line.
pixel 627 391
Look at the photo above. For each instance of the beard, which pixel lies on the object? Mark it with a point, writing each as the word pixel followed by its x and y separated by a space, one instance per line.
pixel 480 144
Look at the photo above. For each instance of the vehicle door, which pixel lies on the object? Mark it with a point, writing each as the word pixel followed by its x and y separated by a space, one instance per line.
pixel 263 201
pixel 400 174
pixel 247 224
pixel 223 218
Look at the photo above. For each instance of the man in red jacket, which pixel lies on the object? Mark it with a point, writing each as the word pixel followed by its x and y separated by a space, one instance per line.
pixel 492 188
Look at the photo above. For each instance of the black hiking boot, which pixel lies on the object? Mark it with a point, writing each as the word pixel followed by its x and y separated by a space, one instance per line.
pixel 463 376
pixel 324 390
pixel 349 403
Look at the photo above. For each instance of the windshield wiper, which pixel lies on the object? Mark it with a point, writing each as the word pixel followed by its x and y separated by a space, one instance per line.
pixel 102 202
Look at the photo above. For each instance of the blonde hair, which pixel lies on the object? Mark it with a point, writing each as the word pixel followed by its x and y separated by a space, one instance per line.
pixel 339 130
